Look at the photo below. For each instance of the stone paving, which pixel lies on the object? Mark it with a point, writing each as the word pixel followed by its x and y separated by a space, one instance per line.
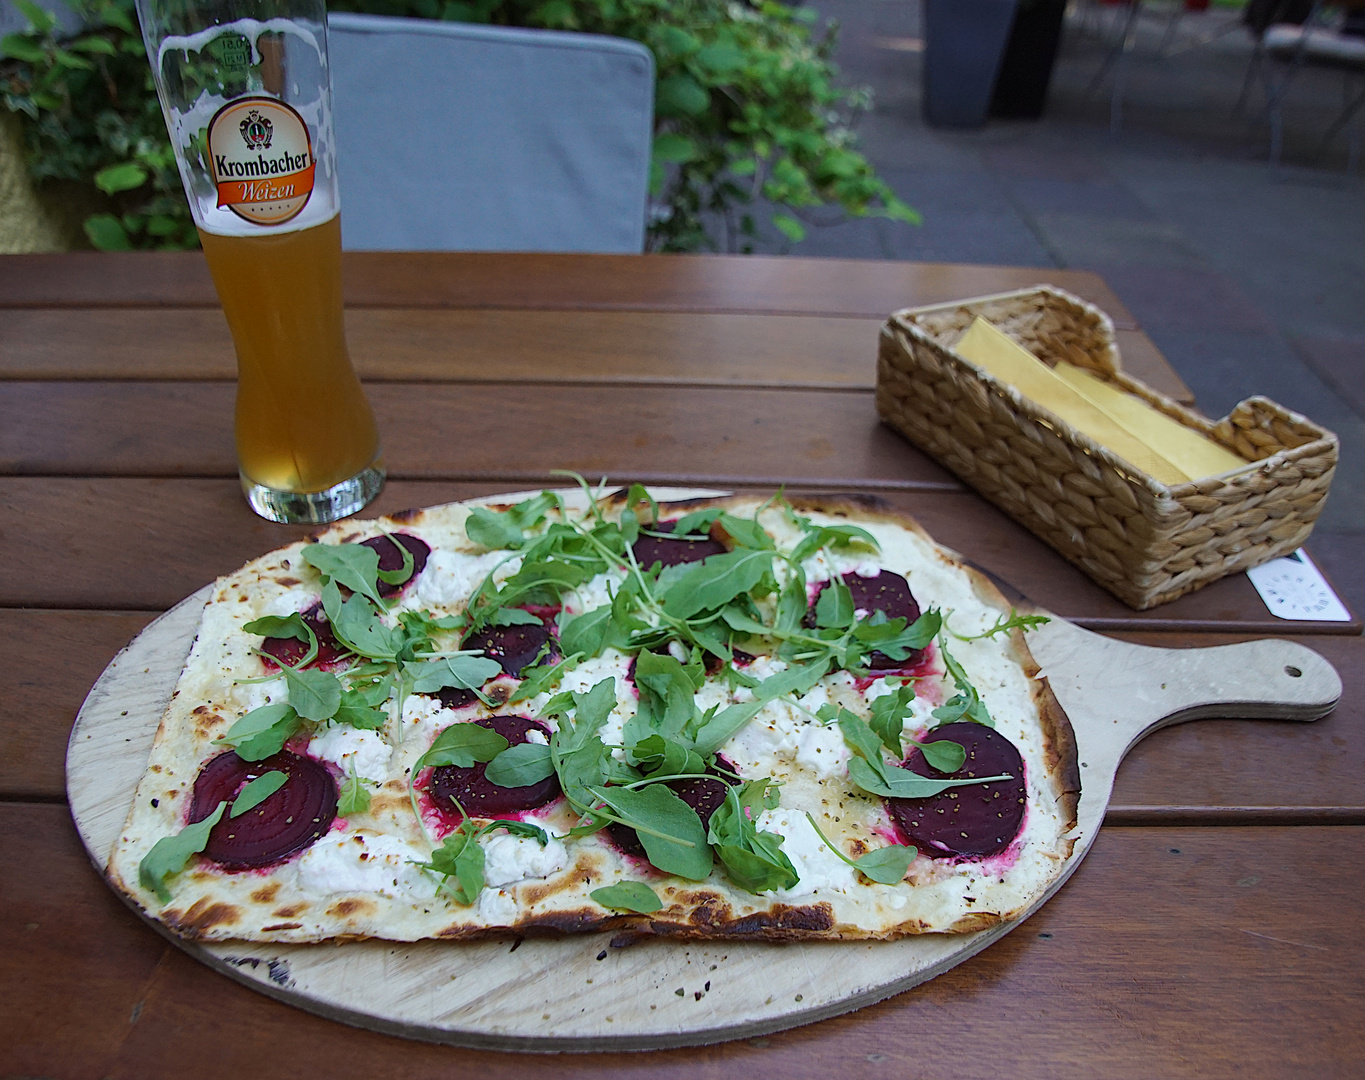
pixel 1251 279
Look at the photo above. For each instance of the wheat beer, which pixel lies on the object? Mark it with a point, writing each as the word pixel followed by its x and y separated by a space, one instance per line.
pixel 303 424
pixel 245 90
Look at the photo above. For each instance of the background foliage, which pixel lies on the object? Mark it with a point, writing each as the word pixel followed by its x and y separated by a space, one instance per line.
pixel 746 107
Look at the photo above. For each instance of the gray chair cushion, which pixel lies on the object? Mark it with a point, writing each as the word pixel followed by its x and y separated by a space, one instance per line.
pixel 475 138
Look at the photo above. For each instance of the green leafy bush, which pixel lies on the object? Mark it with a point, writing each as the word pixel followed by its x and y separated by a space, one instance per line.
pixel 746 108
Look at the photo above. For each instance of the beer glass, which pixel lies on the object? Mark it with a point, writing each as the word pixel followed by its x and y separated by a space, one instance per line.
pixel 246 94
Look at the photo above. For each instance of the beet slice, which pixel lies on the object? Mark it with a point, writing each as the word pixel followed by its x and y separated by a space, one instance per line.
pixel 514 647
pixel 888 593
pixel 391 559
pixel 703 794
pixel 480 796
pixel 649 550
pixel 287 822
pixel 456 697
pixel 971 822
pixel 292 650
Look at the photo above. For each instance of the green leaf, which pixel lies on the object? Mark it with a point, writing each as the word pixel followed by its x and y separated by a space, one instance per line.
pixel 587 633
pixel 521 766
pixel 674 149
pixel 511 616
pixel 171 854
pixel 352 565
pixel 944 755
pixel 106 232
pixel 887 865
pixel 122 177
pixel 356 624
pixel 542 677
pixel 19 47
pixel 290 626
pixel 789 227
pixel 261 732
pixel 355 795
pixel 680 95
pixel 746 533
pixel 314 695
pixel 888 717
pixel 461 672
pixel 94 45
pixel 40 19
pixel 712 583
pixel 255 792
pixel 462 745
pixel 835 606
pixel 359 707
pixel 753 859
pixel 670 830
pixel 459 857
pixel 628 896
pixel 492 530
pixel 721 58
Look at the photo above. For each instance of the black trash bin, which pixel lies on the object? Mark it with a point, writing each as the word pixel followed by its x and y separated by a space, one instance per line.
pixel 964 41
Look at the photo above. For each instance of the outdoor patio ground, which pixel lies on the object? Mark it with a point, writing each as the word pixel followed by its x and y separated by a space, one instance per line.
pixel 1251 279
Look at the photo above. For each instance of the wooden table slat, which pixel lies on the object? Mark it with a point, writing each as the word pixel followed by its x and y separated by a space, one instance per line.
pixel 1280 769
pixel 143 544
pixel 687 348
pixel 1172 952
pixel 744 283
pixel 671 435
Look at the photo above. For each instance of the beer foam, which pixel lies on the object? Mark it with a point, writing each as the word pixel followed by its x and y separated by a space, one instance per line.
pixel 187 122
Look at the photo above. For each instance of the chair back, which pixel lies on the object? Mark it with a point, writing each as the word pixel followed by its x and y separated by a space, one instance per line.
pixel 477 138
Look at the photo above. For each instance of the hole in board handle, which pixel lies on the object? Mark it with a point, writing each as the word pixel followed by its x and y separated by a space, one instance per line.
pixel 1292 671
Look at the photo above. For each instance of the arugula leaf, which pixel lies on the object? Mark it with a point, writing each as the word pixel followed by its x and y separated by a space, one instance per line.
pixel 542 677
pixel 697 523
pixel 356 624
pixel 667 690
pixel 628 896
pixel 361 706
pixel 834 536
pixel 462 672
pixel 404 572
pixel 943 754
pixel 746 532
pixel 314 695
pixel 255 792
pixel 753 858
pixel 520 766
pixel 1004 624
pixel 462 745
pixel 665 757
pixel 670 830
pixel 869 771
pixel 967 702
pixel 888 717
pixel 354 798
pixel 512 616
pixel 353 565
pixel 492 529
pixel 591 710
pixel 261 732
pixel 171 854
pixel 712 583
pixel 587 633
pixel 459 857
pixel 291 626
pixel 876 633
pixel 886 866
pixel 835 606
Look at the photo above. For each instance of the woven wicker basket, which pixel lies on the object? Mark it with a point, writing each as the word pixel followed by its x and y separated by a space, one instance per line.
pixel 1145 542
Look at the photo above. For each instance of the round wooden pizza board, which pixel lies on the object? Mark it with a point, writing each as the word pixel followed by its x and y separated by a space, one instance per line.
pixel 578 993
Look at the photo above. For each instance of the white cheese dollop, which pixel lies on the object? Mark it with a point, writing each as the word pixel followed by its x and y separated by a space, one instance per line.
pixel 497 907
pixel 363 862
pixel 345 746
pixel 508 859
pixel 256 695
pixel 450 576
pixel 819 869
pixel 822 750
pixel 287 603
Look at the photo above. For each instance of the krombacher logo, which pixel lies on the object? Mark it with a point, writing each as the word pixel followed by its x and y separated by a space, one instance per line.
pixel 265 190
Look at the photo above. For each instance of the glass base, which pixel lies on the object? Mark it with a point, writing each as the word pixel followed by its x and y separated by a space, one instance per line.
pixel 315 507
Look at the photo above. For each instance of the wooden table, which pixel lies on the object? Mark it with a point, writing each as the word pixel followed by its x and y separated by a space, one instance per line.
pixel 1213 931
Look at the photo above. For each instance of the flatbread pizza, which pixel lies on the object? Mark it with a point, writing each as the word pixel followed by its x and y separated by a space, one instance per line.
pixel 780 719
